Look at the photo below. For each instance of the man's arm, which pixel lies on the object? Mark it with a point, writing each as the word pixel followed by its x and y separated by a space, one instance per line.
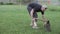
pixel 43 17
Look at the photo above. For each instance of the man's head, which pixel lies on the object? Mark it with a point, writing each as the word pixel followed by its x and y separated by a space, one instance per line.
pixel 44 7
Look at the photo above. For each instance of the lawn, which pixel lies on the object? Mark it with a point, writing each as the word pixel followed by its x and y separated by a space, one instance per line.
pixel 14 19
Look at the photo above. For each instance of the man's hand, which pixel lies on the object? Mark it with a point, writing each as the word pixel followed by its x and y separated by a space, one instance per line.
pixel 44 18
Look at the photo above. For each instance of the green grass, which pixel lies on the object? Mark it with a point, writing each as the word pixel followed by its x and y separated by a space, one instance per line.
pixel 14 19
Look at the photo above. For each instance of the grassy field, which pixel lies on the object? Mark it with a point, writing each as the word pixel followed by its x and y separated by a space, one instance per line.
pixel 14 19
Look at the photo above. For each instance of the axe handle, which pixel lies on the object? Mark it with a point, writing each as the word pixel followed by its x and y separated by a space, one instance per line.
pixel 44 20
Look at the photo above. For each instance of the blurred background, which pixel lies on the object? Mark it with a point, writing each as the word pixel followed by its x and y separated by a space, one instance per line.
pixel 18 2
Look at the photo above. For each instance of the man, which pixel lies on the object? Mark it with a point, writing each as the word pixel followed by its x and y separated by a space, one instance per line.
pixel 33 8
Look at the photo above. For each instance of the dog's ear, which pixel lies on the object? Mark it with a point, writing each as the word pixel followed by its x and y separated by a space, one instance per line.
pixel 48 22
